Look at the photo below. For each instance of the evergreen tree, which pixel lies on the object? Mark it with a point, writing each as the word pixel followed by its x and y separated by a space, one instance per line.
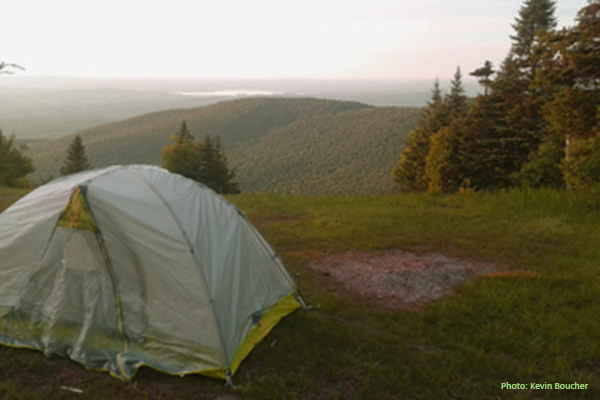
pixel 437 115
pixel 485 153
pixel 573 114
pixel 14 166
pixel 443 163
pixel 182 156
pixel 213 171
pixel 184 135
pixel 521 121
pixel 543 168
pixel 206 168
pixel 537 123
pixel 202 161
pixel 410 170
pixel 456 102
pixel 76 160
pixel 485 76
pixel 535 18
pixel 585 55
pixel 519 127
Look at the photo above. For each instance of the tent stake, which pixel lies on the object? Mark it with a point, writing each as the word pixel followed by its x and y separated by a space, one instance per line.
pixel 229 379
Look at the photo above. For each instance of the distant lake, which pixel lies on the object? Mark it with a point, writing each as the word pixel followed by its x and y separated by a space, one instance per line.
pixel 231 93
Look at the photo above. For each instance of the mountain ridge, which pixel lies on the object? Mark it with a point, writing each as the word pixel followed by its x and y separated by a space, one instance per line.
pixel 321 139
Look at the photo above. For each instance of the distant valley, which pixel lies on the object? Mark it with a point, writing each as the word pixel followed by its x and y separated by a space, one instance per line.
pixel 42 113
pixel 39 108
pixel 288 145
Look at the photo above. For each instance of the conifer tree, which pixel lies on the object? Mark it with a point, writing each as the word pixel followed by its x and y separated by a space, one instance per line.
pixel 573 114
pixel 457 104
pixel 213 171
pixel 13 164
pixel 182 156
pixel 76 160
pixel 485 76
pixel 485 154
pixel 202 161
pixel 410 170
pixel 443 162
pixel 543 167
pixel 585 55
pixel 518 124
pixel 184 134
pixel 535 18
pixel 436 116
pixel 442 165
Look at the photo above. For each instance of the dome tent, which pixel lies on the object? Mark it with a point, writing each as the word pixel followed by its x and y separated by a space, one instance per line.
pixel 132 265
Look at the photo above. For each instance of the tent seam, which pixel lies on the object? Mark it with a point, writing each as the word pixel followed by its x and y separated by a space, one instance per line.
pixel 195 258
pixel 111 275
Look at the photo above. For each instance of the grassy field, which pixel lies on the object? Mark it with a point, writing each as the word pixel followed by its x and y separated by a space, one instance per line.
pixel 537 321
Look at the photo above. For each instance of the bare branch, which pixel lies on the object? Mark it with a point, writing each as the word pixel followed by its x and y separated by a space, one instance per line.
pixel 4 65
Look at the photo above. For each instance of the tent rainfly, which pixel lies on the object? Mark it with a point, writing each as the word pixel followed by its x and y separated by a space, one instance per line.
pixel 132 265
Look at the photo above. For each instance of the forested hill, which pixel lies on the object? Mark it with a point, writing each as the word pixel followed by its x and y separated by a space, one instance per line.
pixel 305 146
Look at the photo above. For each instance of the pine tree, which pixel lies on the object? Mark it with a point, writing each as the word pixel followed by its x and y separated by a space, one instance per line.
pixel 585 55
pixel 184 135
pixel 206 167
pixel 437 114
pixel 76 160
pixel 213 171
pixel 573 114
pixel 442 164
pixel 543 167
pixel 14 166
pixel 225 176
pixel 485 76
pixel 535 18
pixel 456 101
pixel 182 156
pixel 410 170
pixel 202 161
pixel 519 126
pixel 485 154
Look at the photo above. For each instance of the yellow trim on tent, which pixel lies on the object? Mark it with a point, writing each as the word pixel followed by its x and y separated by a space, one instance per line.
pixel 286 306
pixel 76 214
pixel 267 322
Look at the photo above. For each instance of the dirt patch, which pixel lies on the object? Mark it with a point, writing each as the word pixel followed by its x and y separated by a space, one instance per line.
pixel 399 279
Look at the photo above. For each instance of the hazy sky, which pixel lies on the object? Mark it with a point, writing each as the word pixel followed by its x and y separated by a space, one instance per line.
pixel 370 39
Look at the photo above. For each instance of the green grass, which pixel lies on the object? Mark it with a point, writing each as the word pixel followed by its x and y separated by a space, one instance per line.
pixel 536 321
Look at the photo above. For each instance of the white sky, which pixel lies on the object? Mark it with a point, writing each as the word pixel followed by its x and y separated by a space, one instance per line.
pixel 248 39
